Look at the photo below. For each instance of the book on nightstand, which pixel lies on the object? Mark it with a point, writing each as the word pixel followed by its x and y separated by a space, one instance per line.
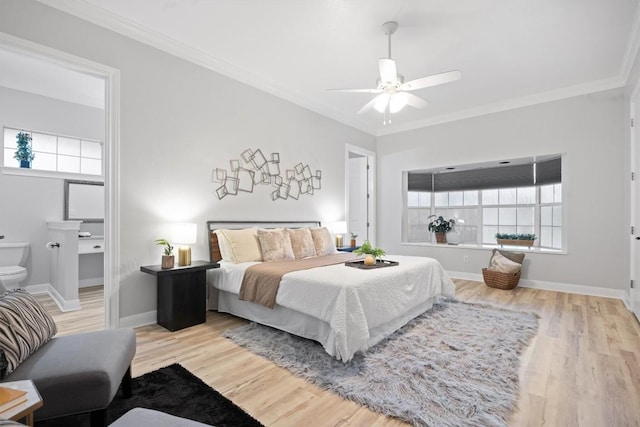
pixel 10 397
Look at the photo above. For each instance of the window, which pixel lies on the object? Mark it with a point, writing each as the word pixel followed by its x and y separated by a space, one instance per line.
pixel 56 153
pixel 522 197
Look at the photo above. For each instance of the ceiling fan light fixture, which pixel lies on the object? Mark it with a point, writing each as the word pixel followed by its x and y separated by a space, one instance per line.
pixel 397 102
pixel 381 102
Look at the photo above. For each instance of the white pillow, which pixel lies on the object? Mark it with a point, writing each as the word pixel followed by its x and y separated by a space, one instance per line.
pixel 301 242
pixel 275 245
pixel 503 264
pixel 243 244
pixel 224 246
pixel 323 241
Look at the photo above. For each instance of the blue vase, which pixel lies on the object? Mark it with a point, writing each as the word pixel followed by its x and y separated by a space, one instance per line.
pixel 25 163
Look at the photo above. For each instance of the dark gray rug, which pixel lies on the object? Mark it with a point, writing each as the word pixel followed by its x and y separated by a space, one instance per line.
pixel 456 365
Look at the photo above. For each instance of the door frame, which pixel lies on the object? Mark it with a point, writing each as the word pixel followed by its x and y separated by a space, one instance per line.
pixel 111 78
pixel 633 297
pixel 371 183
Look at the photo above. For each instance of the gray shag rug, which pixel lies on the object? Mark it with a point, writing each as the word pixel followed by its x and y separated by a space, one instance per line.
pixel 455 365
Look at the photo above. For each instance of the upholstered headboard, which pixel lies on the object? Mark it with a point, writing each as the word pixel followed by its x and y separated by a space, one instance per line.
pixel 214 249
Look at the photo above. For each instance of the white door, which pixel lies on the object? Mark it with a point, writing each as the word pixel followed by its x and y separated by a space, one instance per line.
pixel 358 199
pixel 634 292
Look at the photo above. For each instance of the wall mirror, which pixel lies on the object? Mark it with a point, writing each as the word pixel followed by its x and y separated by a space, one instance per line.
pixel 84 201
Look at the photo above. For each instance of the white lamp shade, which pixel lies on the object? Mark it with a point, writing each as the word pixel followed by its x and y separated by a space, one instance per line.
pixel 339 227
pixel 185 233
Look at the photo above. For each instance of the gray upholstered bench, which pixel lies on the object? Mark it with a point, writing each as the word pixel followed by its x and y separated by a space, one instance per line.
pixel 147 417
pixel 80 373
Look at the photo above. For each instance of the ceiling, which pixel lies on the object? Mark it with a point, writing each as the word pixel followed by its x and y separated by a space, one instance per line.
pixel 511 53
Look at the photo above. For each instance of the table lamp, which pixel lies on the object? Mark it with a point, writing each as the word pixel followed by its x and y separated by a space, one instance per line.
pixel 185 234
pixel 339 228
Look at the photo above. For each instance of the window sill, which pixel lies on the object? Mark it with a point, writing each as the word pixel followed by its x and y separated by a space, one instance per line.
pixel 514 248
pixel 7 170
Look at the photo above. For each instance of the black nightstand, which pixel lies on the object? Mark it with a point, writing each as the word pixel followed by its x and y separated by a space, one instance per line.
pixel 348 248
pixel 182 294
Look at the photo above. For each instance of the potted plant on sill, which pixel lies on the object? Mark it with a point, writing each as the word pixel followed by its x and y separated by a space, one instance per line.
pixel 24 154
pixel 168 259
pixel 515 239
pixel 439 226
pixel 353 239
pixel 371 254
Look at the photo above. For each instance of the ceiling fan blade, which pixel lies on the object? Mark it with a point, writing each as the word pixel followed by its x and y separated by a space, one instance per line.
pixel 432 80
pixel 368 106
pixel 356 90
pixel 415 101
pixel 388 71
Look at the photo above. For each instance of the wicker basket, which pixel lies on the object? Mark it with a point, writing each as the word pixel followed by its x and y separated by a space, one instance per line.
pixel 500 280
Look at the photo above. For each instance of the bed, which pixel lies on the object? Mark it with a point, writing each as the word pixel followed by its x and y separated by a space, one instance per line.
pixel 345 309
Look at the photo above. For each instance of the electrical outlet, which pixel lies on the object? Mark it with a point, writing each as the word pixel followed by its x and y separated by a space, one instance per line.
pixel 466 259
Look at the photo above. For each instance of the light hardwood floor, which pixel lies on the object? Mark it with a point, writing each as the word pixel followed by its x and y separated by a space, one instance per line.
pixel 582 369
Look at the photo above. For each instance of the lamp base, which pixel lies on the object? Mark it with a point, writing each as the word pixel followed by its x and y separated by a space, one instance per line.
pixel 339 241
pixel 184 256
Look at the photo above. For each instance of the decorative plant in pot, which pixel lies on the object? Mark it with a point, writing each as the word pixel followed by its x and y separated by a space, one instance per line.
pixel 24 154
pixel 515 239
pixel 168 259
pixel 353 239
pixel 439 225
pixel 370 253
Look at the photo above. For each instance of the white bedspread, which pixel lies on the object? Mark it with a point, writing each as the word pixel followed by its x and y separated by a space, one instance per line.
pixel 353 301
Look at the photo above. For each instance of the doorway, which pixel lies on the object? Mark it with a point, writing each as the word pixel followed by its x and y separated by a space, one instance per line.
pixel 52 58
pixel 360 193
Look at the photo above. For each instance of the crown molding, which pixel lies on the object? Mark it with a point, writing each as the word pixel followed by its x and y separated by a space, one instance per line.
pixel 509 104
pixel 118 24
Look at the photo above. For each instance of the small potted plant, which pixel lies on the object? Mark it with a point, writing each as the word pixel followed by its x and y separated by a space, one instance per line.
pixel 439 226
pixel 515 239
pixel 370 253
pixel 168 259
pixel 24 154
pixel 353 239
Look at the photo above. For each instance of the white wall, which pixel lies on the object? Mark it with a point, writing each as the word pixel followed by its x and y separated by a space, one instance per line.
pixel 178 122
pixel 589 129
pixel 29 202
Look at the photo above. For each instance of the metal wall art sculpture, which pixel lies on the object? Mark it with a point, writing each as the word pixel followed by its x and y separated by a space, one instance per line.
pixel 255 169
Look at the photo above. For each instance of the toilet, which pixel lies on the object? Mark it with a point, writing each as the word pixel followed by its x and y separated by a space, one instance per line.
pixel 13 257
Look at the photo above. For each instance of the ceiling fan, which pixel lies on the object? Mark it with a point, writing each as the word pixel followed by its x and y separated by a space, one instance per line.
pixel 393 93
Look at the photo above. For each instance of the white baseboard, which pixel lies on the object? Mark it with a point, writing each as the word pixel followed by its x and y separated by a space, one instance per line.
pixel 136 320
pixel 554 286
pixel 63 305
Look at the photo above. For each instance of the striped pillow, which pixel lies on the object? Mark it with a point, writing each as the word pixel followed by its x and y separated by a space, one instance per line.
pixel 24 327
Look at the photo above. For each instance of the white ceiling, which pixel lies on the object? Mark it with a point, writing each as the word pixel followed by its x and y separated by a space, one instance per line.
pixel 511 53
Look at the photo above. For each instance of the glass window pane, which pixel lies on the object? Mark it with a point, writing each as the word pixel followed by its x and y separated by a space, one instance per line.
pixel 442 199
pixel 455 198
pixel 507 196
pixel 489 197
pixel 546 215
pixel 91 166
pixel 424 198
pixel 44 143
pixel 526 195
pixel 546 194
pixel 91 149
pixel 557 215
pixel 10 138
pixel 507 216
pixel 471 198
pixel 69 146
pixel 557 193
pixel 557 237
pixel 508 229
pixel 45 161
pixel 525 229
pixel 8 158
pixel 69 164
pixel 412 198
pixel 546 237
pixel 490 216
pixel 489 234
pixel 525 216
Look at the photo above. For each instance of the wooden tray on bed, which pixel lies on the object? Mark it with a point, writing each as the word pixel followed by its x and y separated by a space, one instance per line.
pixel 379 264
